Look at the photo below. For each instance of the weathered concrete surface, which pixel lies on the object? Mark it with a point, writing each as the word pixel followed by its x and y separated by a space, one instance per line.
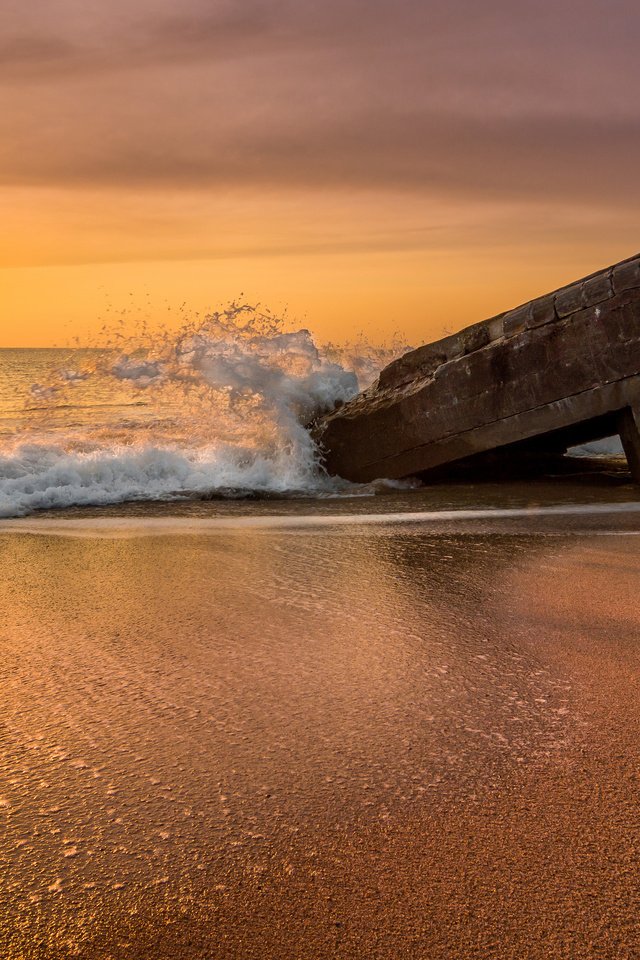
pixel 561 369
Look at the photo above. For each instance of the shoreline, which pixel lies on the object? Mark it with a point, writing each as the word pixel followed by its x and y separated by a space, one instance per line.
pixel 557 519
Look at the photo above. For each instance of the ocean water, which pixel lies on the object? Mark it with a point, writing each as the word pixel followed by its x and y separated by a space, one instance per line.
pixel 215 411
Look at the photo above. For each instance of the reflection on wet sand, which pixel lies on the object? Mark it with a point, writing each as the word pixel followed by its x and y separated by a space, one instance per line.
pixel 353 743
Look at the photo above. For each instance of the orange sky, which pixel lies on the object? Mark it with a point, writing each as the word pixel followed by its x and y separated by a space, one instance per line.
pixel 373 166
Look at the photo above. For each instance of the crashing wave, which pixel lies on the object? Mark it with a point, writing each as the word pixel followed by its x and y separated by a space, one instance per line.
pixel 226 404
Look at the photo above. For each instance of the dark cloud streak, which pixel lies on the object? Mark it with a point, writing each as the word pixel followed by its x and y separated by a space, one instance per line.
pixel 507 157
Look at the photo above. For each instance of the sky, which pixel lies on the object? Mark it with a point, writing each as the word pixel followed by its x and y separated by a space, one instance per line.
pixel 371 166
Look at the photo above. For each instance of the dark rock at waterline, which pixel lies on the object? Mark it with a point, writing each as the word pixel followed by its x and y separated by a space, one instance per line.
pixel 560 370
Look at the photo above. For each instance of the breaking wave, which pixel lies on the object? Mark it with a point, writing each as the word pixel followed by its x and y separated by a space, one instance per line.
pixel 217 409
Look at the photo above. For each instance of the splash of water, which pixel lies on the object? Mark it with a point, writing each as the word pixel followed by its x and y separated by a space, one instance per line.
pixel 217 409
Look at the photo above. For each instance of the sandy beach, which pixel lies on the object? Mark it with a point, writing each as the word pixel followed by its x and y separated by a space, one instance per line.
pixel 231 745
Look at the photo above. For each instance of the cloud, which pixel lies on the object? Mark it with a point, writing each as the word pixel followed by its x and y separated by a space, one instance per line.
pixel 94 38
pixel 457 35
pixel 25 50
pixel 497 99
pixel 355 148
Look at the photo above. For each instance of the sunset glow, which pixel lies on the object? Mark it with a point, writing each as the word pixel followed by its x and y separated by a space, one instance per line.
pixel 373 168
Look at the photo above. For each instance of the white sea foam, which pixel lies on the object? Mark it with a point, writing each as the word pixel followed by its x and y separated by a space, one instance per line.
pixel 37 476
pixel 226 401
pixel 610 447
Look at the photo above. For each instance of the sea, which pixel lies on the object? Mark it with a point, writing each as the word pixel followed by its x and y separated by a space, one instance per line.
pixel 215 413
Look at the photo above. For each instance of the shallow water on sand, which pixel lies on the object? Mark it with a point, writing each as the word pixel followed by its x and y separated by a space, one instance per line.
pixel 359 739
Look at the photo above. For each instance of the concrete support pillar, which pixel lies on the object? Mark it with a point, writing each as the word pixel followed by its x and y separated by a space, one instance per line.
pixel 629 429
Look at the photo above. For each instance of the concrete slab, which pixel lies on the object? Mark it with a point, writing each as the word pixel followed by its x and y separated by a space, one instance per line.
pixel 560 369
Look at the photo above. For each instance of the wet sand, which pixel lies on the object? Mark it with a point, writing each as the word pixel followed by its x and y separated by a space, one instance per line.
pixel 359 743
